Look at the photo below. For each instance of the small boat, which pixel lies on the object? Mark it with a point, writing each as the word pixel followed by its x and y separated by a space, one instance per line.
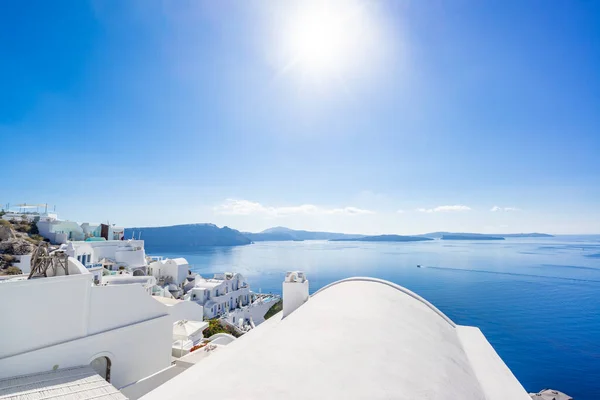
pixel 418 265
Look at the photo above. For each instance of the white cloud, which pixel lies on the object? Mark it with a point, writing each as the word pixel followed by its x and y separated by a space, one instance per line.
pixel 506 209
pixel 444 209
pixel 246 207
pixel 347 210
pixel 400 211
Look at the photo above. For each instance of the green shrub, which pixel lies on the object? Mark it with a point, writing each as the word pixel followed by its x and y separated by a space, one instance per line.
pixel 274 309
pixel 13 271
pixel 32 240
pixel 36 237
pixel 214 327
pixel 4 222
pixel 7 258
pixel 34 229
pixel 22 227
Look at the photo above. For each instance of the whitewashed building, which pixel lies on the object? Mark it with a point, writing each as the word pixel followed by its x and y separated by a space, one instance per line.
pixel 106 231
pixel 359 338
pixel 28 216
pixel 186 335
pixel 110 254
pixel 174 270
pixel 59 231
pixel 220 294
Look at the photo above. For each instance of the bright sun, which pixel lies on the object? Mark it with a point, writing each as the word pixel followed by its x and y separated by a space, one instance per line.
pixel 319 39
pixel 323 38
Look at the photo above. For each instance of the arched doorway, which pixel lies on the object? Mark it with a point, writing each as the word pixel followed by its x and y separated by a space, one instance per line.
pixel 102 367
pixel 138 272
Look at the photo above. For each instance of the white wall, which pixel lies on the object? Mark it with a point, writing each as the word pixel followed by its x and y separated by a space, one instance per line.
pixel 176 269
pixel 97 273
pixel 140 388
pixel 66 321
pixel 91 229
pixel 41 312
pixel 222 338
pixel 44 229
pixel 50 229
pixel 135 352
pixel 295 293
pixel 24 263
pixel 133 258
pixel 130 252
pixel 179 268
pixel 119 305
pixel 188 310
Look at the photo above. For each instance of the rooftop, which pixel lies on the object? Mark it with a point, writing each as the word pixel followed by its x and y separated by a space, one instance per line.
pixel 355 339
pixel 208 283
pixel 79 383
pixel 167 301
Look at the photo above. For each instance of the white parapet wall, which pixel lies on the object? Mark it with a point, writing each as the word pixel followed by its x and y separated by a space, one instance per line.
pixel 130 253
pixel 180 309
pixel 24 263
pixel 66 321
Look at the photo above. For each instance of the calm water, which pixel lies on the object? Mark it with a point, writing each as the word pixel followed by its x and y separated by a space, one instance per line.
pixel 536 300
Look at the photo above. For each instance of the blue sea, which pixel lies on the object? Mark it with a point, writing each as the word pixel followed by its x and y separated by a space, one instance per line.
pixel 537 300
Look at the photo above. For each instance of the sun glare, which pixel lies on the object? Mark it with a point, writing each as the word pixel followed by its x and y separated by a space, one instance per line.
pixel 325 39
pixel 319 41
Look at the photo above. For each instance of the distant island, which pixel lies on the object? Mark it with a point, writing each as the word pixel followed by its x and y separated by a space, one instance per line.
pixel 470 237
pixel 271 237
pixel 526 235
pixel 384 238
pixel 189 236
pixel 439 235
pixel 281 233
pixel 182 237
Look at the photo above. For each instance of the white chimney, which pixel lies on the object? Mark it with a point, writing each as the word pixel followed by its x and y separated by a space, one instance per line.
pixel 295 291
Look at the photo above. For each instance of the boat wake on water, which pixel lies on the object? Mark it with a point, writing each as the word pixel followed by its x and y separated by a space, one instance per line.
pixel 516 274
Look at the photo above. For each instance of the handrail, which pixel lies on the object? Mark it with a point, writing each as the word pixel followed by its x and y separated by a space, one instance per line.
pixel 395 286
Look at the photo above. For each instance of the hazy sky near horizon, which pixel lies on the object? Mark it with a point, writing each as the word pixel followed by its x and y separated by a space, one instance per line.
pixel 350 115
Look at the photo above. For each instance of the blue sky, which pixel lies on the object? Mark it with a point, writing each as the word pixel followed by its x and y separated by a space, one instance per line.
pixel 356 116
